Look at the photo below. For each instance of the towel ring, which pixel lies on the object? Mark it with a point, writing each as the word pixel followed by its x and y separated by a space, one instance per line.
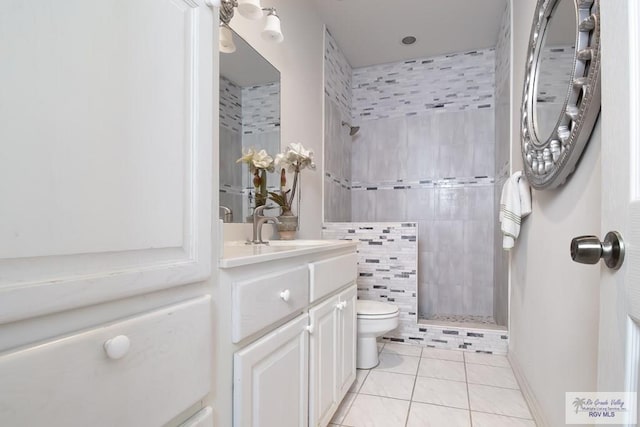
pixel 560 104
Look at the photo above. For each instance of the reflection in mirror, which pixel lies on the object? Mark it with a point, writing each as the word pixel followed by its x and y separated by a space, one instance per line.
pixel 555 68
pixel 249 117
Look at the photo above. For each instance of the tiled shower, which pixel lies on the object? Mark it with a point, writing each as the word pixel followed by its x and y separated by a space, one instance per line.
pixel 432 149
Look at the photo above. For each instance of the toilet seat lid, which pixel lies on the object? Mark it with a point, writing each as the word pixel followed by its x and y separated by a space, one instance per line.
pixel 366 307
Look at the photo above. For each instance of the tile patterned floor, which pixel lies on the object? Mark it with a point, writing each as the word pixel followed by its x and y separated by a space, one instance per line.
pixel 426 387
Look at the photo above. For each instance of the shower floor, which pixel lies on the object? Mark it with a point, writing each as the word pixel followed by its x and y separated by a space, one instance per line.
pixel 481 322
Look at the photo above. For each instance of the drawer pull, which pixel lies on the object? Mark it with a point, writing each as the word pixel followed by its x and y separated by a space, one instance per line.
pixel 285 295
pixel 117 347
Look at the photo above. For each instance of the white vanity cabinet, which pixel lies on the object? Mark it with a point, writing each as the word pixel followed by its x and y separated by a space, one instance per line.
pixel 288 335
pixel 332 354
pixel 271 378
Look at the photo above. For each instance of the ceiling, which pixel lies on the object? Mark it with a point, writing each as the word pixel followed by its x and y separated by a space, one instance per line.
pixel 369 31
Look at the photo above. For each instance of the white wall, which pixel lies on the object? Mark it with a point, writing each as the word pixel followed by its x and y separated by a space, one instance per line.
pixel 554 301
pixel 299 59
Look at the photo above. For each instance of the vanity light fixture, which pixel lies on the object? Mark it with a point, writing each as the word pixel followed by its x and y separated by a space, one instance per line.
pixel 250 9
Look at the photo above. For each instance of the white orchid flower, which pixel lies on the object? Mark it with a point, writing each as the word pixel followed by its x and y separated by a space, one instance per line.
pixel 247 156
pixel 257 159
pixel 295 158
pixel 262 160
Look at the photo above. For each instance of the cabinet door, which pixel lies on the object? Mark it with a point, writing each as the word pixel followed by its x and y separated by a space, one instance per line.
pixel 105 172
pixel 271 379
pixel 324 357
pixel 347 341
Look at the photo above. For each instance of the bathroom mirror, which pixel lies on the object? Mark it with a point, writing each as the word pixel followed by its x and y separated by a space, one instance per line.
pixel 249 117
pixel 561 97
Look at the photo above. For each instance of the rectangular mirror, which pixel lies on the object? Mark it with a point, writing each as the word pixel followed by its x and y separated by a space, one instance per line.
pixel 249 118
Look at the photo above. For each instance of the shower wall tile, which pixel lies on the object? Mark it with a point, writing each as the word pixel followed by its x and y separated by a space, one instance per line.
pixel 454 82
pixel 420 204
pixel 230 105
pixel 478 237
pixel 502 164
pixel 450 203
pixel 230 150
pixel 337 77
pixel 387 273
pixel 448 237
pixel 479 202
pixel 422 147
pixel 261 108
pixel 455 160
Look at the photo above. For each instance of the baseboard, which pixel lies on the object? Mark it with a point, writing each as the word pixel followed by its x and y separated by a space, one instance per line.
pixel 527 392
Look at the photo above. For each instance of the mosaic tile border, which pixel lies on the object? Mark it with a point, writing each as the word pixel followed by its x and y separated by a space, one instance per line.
pixel 336 179
pixel 454 82
pixel 425 183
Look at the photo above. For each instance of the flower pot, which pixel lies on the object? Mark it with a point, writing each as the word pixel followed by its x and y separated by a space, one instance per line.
pixel 288 227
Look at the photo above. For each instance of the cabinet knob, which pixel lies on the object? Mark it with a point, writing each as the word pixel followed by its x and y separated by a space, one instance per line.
pixel 117 347
pixel 285 295
pixel 341 305
pixel 309 329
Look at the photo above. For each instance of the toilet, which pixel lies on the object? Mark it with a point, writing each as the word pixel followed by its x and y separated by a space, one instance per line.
pixel 374 319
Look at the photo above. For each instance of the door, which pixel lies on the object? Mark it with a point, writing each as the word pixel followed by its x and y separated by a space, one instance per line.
pixel 106 117
pixel 619 335
pixel 270 379
pixel 323 321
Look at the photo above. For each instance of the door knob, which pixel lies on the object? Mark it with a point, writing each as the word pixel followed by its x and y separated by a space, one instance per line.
pixel 589 250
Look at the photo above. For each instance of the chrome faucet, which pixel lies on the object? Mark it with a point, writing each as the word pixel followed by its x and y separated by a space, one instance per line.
pixel 258 221
pixel 227 214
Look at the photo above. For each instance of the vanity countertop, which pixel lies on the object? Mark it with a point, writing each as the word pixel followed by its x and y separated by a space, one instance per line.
pixel 238 253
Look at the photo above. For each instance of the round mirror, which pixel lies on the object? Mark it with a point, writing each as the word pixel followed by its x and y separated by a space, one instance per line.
pixel 561 98
pixel 555 68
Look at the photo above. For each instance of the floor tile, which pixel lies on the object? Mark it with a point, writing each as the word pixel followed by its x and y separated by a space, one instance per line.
pixel 487 359
pixel 398 363
pixel 439 353
pixel 376 411
pixel 443 369
pixel 424 415
pixel 496 400
pixel 481 419
pixel 361 375
pixel 405 349
pixel 491 375
pixel 389 384
pixel 344 407
pixel 441 392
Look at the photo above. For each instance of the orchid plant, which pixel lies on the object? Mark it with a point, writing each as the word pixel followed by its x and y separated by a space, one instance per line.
pixel 293 160
pixel 259 162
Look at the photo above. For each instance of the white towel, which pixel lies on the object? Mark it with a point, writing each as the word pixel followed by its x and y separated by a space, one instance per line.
pixel 515 204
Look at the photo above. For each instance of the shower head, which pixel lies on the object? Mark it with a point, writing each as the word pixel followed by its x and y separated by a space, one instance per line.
pixel 352 129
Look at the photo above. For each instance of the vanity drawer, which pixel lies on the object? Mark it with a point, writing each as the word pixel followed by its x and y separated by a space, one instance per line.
pixel 72 381
pixel 260 302
pixel 332 274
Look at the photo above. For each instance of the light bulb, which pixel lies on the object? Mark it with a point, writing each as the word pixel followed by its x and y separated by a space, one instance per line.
pixel 272 31
pixel 226 40
pixel 250 9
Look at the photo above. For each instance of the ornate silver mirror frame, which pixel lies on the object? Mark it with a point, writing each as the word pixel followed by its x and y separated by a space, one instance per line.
pixel 550 159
